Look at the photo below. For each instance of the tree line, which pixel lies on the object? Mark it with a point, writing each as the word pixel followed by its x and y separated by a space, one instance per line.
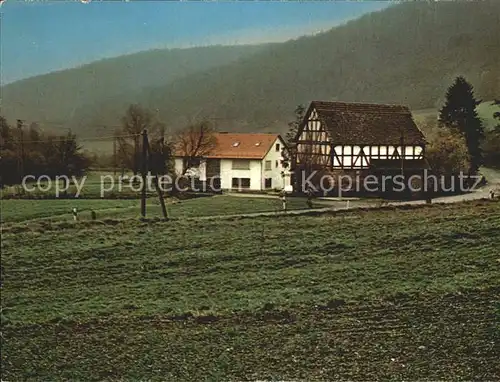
pixel 31 152
pixel 193 141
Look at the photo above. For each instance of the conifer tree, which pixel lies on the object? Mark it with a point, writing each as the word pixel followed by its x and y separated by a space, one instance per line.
pixel 459 113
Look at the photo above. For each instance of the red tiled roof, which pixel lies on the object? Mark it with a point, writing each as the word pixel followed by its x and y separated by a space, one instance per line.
pixel 368 124
pixel 241 145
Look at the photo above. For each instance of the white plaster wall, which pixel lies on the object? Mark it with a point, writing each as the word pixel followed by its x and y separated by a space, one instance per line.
pixel 227 173
pixel 275 172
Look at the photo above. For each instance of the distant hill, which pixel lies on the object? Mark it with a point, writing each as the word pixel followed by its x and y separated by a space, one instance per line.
pixel 408 53
pixel 53 99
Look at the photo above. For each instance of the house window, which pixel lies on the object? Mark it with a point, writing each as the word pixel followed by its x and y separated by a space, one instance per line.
pixel 268 183
pixel 240 164
pixel 277 147
pixel 276 164
pixel 240 183
pixel 268 165
pixel 194 162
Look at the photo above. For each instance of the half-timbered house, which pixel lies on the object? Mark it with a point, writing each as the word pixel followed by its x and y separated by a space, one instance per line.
pixel 339 137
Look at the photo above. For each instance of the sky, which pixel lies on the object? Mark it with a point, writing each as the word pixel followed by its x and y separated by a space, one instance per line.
pixel 39 37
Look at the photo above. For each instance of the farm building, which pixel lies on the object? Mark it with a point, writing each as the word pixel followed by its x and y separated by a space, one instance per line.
pixel 348 138
pixel 240 161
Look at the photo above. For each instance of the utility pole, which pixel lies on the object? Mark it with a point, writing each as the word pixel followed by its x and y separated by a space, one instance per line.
pixel 156 182
pixel 21 149
pixel 144 171
pixel 162 144
pixel 114 156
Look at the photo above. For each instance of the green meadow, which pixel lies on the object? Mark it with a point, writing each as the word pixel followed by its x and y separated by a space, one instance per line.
pixel 394 293
pixel 23 210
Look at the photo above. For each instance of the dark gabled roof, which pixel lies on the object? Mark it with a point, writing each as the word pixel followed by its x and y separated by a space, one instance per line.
pixel 367 124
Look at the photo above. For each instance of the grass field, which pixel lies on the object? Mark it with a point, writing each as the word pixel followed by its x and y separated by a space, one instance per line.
pixel 18 210
pixel 90 186
pixel 388 294
pixel 485 111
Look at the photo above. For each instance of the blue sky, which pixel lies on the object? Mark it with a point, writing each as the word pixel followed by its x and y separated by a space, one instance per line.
pixel 39 37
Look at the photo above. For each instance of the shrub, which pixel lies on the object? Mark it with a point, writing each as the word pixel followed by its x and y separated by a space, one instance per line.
pixel 447 152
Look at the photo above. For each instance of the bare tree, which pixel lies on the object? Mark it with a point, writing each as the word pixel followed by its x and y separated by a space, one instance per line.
pixel 135 120
pixel 195 141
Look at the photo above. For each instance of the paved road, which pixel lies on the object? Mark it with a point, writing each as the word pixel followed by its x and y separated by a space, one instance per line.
pixel 493 177
pixel 460 198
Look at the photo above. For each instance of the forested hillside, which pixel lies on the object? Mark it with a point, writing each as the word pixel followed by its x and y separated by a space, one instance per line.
pixel 53 99
pixel 408 53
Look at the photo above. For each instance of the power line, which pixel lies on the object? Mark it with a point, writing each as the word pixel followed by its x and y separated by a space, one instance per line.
pixel 110 137
pixel 66 124
pixel 42 140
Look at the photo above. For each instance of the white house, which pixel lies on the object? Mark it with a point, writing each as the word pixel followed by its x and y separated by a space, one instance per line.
pixel 242 161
